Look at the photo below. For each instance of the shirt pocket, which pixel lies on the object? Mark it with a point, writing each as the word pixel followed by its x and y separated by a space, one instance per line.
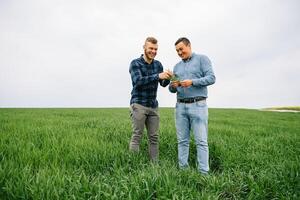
pixel 201 103
pixel 144 71
pixel 137 113
pixel 196 73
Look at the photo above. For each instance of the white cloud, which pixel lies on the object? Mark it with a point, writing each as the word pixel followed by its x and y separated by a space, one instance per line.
pixel 77 53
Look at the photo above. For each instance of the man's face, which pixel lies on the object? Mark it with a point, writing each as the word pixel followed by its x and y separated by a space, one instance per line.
pixel 183 51
pixel 150 50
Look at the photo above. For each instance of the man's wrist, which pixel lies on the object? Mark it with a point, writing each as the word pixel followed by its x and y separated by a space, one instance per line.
pixel 157 77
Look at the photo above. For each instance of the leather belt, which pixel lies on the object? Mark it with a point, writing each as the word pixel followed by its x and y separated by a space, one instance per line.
pixel 191 100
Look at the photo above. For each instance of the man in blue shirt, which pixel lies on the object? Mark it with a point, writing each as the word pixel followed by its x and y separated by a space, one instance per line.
pixel 146 73
pixel 195 73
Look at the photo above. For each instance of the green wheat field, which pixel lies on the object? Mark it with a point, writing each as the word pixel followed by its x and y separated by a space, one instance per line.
pixel 83 154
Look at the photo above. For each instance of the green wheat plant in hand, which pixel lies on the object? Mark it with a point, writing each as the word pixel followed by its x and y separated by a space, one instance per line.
pixel 174 78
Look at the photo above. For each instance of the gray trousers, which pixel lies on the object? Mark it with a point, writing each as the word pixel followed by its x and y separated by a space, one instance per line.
pixel 141 116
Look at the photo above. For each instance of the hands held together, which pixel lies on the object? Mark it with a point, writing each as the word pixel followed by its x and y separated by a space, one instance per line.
pixel 175 83
pixel 184 83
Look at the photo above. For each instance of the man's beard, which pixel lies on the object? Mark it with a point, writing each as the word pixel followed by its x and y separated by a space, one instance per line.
pixel 147 56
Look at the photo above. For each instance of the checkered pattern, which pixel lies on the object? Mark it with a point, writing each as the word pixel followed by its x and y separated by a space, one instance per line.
pixel 145 81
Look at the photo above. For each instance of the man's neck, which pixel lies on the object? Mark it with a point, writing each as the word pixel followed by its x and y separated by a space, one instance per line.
pixel 188 58
pixel 149 61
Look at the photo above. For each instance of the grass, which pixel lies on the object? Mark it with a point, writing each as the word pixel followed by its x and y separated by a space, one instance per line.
pixel 83 154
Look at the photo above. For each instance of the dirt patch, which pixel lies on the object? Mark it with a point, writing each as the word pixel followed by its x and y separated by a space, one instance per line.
pixel 294 111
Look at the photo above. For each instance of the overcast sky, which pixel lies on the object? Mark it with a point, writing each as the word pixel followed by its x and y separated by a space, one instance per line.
pixel 76 53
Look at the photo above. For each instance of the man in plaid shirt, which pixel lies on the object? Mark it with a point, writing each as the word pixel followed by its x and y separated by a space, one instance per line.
pixel 146 73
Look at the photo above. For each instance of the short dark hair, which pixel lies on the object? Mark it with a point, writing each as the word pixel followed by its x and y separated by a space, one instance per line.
pixel 151 39
pixel 184 40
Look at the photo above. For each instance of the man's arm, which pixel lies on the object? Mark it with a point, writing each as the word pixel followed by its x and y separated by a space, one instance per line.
pixel 172 88
pixel 164 82
pixel 209 76
pixel 174 84
pixel 137 78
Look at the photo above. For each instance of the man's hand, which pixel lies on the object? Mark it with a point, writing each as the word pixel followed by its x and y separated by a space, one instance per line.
pixel 165 75
pixel 175 84
pixel 186 83
pixel 169 72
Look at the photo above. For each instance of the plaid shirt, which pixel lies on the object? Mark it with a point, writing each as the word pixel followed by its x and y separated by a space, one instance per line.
pixel 145 80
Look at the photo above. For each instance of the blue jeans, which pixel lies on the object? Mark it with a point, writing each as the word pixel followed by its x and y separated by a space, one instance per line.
pixel 192 116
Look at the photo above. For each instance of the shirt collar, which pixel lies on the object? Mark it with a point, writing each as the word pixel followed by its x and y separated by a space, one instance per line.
pixel 190 58
pixel 142 58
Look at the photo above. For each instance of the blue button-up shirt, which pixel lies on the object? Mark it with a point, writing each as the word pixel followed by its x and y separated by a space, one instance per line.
pixel 145 81
pixel 198 68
